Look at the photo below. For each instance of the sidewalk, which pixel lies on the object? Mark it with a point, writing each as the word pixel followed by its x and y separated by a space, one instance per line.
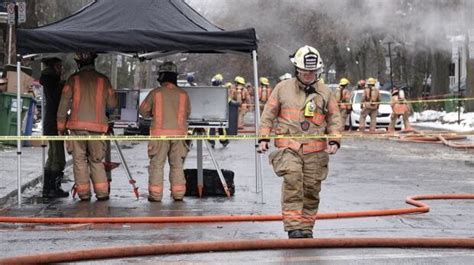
pixel 31 171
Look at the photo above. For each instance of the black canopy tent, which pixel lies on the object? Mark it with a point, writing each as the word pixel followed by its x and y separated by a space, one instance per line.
pixel 134 27
pixel 144 28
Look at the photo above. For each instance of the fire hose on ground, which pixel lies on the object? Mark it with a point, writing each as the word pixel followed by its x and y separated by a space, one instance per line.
pixel 199 247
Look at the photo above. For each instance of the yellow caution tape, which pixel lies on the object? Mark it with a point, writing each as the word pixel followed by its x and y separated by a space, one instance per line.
pixel 417 101
pixel 406 101
pixel 228 137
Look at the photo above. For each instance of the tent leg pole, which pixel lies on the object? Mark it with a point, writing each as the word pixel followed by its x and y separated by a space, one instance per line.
pixel 258 157
pixel 19 109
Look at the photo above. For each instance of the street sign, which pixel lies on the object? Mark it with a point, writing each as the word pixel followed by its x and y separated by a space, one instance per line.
pixel 21 12
pixel 11 13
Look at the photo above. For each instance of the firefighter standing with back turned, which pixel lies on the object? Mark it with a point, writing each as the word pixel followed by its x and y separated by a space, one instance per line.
pixel 169 107
pixel 301 105
pixel 88 94
pixel 400 107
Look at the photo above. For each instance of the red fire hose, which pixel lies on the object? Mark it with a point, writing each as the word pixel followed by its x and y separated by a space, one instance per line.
pixel 196 247
pixel 238 245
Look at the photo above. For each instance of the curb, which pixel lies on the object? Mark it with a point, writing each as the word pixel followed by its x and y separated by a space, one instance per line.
pixel 4 201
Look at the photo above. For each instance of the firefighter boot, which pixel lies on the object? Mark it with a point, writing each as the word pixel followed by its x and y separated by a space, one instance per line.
pixel 307 233
pixel 58 192
pixel 52 185
pixel 47 183
pixel 296 234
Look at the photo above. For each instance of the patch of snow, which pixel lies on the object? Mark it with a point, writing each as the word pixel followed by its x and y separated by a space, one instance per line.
pixel 447 121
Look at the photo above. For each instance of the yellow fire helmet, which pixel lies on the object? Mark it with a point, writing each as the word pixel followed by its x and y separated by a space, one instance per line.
pixel 240 80
pixel 264 81
pixel 228 85
pixel 344 82
pixel 218 77
pixel 371 81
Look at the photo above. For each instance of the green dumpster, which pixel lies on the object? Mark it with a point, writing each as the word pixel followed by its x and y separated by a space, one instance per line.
pixel 8 112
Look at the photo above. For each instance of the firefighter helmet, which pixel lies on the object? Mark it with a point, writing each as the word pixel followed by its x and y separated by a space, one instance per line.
pixel 361 83
pixel 264 81
pixel 168 67
pixel 240 80
pixel 371 81
pixel 344 82
pixel 228 85
pixel 285 77
pixel 218 77
pixel 395 91
pixel 307 58
pixel 217 80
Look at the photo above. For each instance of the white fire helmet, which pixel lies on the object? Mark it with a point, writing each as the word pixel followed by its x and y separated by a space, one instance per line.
pixel 401 94
pixel 307 58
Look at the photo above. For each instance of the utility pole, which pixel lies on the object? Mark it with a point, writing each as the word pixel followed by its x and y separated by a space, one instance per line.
pixel 390 63
pixel 459 85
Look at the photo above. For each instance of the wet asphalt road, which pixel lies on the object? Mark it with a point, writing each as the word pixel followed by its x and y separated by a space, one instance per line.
pixel 364 175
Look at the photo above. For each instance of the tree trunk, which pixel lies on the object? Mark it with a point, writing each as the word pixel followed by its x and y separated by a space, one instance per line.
pixel 440 73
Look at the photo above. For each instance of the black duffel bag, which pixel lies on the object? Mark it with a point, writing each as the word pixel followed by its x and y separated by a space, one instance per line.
pixel 212 183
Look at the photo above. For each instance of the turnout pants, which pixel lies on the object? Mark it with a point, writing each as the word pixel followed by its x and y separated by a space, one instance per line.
pixel 373 119
pixel 244 108
pixel 87 159
pixel 302 176
pixel 393 121
pixel 176 152
pixel 343 118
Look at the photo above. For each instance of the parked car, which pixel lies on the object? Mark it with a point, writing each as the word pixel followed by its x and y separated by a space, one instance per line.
pixel 383 117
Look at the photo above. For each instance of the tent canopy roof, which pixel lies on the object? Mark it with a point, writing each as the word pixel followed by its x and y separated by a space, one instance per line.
pixel 137 26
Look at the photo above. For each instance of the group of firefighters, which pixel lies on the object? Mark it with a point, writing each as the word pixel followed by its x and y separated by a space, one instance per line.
pixel 370 103
pixel 296 106
pixel 243 94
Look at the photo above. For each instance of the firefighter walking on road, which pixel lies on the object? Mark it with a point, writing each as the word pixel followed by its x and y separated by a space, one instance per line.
pixel 370 105
pixel 399 108
pixel 88 95
pixel 169 107
pixel 343 97
pixel 301 105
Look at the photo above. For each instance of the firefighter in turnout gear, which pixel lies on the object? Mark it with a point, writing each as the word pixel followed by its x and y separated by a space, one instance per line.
pixel 217 81
pixel 399 108
pixel 370 105
pixel 242 96
pixel 88 94
pixel 361 84
pixel 53 171
pixel 169 107
pixel 343 96
pixel 264 91
pixel 301 105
